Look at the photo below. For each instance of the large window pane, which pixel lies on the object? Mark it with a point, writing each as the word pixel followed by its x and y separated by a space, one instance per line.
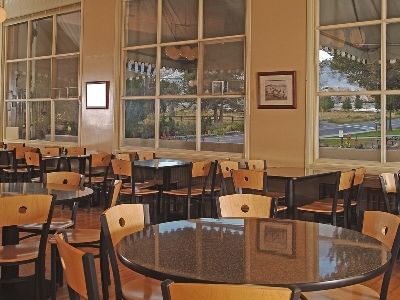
pixel 139 123
pixel 15 122
pixel 349 59
pixel 178 124
pixel 17 36
pixel 349 127
pixel 40 120
pixel 65 77
pixel 66 115
pixel 393 127
pixel 393 57
pixel 41 37
pixel 393 8
pixel 349 11
pixel 179 20
pixel 224 17
pixel 68 33
pixel 40 78
pixel 141 22
pixel 222 125
pixel 224 68
pixel 140 75
pixel 179 70
pixel 16 80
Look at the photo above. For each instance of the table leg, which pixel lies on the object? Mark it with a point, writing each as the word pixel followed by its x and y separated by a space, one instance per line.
pixel 289 191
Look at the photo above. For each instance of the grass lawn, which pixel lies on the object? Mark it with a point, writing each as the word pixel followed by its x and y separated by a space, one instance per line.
pixel 362 138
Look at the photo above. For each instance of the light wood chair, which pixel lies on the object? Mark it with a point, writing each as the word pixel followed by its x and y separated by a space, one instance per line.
pixel 79 270
pixel 51 151
pixel 245 206
pixel 146 155
pixel 203 291
pixel 52 165
pixel 35 166
pixel 18 170
pixel 225 168
pixel 64 178
pixel 116 223
pixel 129 156
pixel 384 227
pixel 333 206
pixel 359 174
pixel 391 187
pixel 18 210
pixel 256 164
pixel 75 150
pixel 99 165
pixel 15 145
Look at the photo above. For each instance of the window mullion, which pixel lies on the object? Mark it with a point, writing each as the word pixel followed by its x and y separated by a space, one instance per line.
pixel 383 85
pixel 158 88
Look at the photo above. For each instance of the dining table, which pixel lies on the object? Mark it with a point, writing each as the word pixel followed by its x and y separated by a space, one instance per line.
pixel 275 252
pixel 82 158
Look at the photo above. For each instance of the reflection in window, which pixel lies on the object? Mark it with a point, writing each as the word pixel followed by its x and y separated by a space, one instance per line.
pixel 350 122
pixel 350 59
pixel 393 127
pixel 393 10
pixel 15 120
pixel 140 75
pixel 224 17
pixel 16 80
pixel 40 78
pixel 393 57
pixel 17 36
pixel 68 33
pixel 66 116
pixel 65 78
pixel 139 122
pixel 141 22
pixel 178 124
pixel 179 70
pixel 41 37
pixel 222 125
pixel 40 116
pixel 179 20
pixel 224 68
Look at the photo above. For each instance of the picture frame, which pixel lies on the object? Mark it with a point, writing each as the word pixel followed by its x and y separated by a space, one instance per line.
pixel 276 90
pixel 97 94
pixel 277 237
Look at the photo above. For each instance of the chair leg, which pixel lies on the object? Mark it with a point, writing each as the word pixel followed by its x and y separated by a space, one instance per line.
pixel 53 271
pixel 104 271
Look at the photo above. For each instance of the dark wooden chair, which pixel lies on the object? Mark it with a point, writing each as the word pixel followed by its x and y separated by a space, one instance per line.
pixel 384 227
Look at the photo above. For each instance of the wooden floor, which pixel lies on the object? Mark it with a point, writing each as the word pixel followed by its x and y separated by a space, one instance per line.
pixel 90 219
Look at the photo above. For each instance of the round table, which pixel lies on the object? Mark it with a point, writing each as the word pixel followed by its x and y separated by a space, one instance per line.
pixel 287 253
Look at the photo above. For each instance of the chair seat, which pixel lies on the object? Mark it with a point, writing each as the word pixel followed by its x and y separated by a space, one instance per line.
pixel 138 191
pixel 281 208
pixel 56 224
pixel 339 201
pixel 323 207
pixel 23 252
pixel 140 185
pixel 95 180
pixel 353 292
pixel 275 195
pixel 184 192
pixel 83 236
pixel 142 289
pixel 18 170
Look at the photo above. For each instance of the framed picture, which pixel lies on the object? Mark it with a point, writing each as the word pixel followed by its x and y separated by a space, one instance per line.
pixel 97 94
pixel 277 237
pixel 276 89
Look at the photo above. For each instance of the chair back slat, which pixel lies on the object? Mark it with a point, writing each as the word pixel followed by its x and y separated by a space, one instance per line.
pixel 146 155
pixel 121 167
pixel 201 168
pixel 245 206
pixel 33 159
pixel 52 151
pixel 116 191
pixel 20 151
pixel 346 180
pixel 248 179
pixel 226 166
pixel 389 182
pixel 64 178
pixel 12 146
pixel 24 209
pixel 256 164
pixel 100 160
pixel 126 156
pixel 359 175
pixel 76 151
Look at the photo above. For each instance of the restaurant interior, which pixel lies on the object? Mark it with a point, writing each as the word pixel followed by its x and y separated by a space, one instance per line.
pixel 200 149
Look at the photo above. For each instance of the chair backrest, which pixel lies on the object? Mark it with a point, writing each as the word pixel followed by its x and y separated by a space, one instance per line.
pixel 389 182
pixel 201 168
pixel 20 151
pixel 12 146
pixel 359 174
pixel 76 150
pixel 384 227
pixel 256 164
pixel 67 178
pixel 52 151
pixel 121 167
pixel 117 222
pixel 248 179
pixel 226 166
pixel 33 159
pixel 346 180
pixel 146 155
pixel 126 156
pixel 245 206
pixel 116 190
pixel 79 269
pixel 200 291
pixel 100 160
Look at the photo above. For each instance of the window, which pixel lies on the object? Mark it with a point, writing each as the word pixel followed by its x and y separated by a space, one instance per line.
pixel 358 87
pixel 184 77
pixel 42 79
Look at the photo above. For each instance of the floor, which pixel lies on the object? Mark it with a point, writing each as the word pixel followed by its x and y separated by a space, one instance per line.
pixel 90 219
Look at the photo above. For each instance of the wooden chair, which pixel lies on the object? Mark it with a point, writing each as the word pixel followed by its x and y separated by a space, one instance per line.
pixel 35 166
pixel 204 291
pixel 116 223
pixel 256 164
pixel 245 206
pixel 79 269
pixel 195 187
pixel 224 171
pixel 146 155
pixel 129 156
pixel 51 151
pixel 18 210
pixel 18 170
pixel 52 165
pixel 99 165
pixel 384 227
pixel 391 187
pixel 75 150
pixel 359 174
pixel 15 145
pixel 332 206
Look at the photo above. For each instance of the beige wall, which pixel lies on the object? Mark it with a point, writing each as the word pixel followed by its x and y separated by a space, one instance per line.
pixel 278 43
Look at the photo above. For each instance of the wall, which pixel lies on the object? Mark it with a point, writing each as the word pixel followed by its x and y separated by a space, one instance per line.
pixel 278 43
pixel 17 8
